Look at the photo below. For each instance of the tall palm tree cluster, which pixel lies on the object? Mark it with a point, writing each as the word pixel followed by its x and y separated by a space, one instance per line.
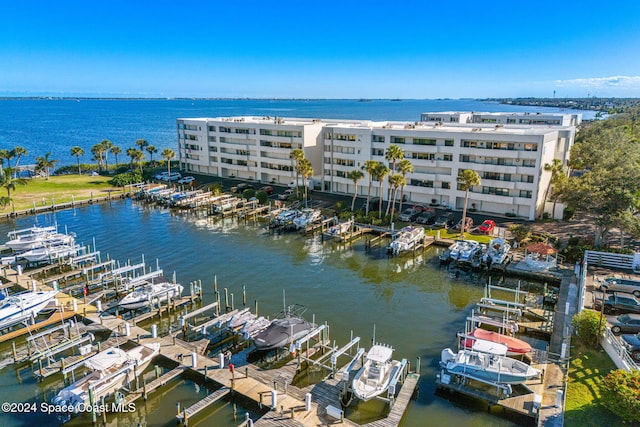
pixel 9 176
pixel 302 168
pixel 378 171
pixel 101 150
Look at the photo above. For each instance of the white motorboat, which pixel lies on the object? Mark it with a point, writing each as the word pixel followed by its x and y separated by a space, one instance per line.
pixel 463 250
pixel 37 237
pixel 407 239
pixel 287 327
pixel 487 365
pixel 497 252
pixel 307 216
pixel 51 252
pixel 148 294
pixel 110 370
pixel 287 216
pixel 339 229
pixel 373 378
pixel 23 306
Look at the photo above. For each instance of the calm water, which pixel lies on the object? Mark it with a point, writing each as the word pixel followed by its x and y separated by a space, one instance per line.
pixel 416 306
pixel 55 126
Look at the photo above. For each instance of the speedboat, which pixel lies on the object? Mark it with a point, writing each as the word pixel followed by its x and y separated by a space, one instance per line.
pixel 307 216
pixel 110 370
pixel 287 216
pixel 486 366
pixel 466 251
pixel 149 294
pixel 497 252
pixel 51 252
pixel 23 306
pixel 287 327
pixel 406 239
pixel 339 229
pixel 373 378
pixel 37 237
pixel 515 346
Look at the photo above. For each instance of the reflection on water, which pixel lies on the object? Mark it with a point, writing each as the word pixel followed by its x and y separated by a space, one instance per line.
pixel 416 305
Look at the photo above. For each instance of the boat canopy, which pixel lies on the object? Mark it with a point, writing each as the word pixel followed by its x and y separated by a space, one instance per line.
pixel 485 346
pixel 380 353
pixel 106 359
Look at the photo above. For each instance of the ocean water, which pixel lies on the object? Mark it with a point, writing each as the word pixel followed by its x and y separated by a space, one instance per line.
pixel 414 304
pixel 55 125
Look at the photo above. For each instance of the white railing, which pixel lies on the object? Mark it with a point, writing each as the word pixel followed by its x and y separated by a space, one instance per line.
pixel 617 351
pixel 611 260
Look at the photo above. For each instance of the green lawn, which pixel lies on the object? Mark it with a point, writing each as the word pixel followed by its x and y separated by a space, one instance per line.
pixel 588 367
pixel 60 189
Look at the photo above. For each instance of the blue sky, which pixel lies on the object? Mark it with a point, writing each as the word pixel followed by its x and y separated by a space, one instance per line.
pixel 327 49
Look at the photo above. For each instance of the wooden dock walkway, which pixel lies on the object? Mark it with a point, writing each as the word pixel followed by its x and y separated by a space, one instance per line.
pixel 162 380
pixel 201 405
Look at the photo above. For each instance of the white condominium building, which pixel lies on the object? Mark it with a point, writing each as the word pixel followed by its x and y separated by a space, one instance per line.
pixel 509 157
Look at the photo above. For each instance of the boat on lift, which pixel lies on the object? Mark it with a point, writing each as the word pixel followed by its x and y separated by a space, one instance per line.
pixel 287 327
pixel 375 375
pixel 407 239
pixel 148 294
pixel 37 237
pixel 515 346
pixel 339 229
pixel 23 306
pixel 110 370
pixel 497 253
pixel 307 216
pixel 486 366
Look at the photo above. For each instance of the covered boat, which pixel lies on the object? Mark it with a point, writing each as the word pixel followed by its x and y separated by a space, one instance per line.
pixel 373 378
pixel 486 366
pixel 110 370
pixel 148 294
pixel 287 327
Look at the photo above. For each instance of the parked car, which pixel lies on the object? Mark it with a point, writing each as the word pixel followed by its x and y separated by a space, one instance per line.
pixel 427 217
pixel 374 202
pixel 487 226
pixel 161 176
pixel 617 284
pixel 632 344
pixel 444 221
pixel 467 227
pixel 288 193
pixel 410 214
pixel 241 187
pixel 186 180
pixel 267 189
pixel 625 323
pixel 173 176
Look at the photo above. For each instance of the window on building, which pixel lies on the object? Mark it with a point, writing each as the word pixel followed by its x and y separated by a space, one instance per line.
pixel 377 152
pixel 525 194
pixel 212 128
pixel 423 156
pixel 469 144
pixel 446 185
pixel 448 142
pixel 377 138
pixel 421 183
pixel 397 140
pixel 447 157
pixel 424 141
pixel 530 147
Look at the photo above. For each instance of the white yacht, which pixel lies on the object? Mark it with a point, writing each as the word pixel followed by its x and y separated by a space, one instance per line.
pixel 464 250
pixel 36 237
pixel 373 378
pixel 148 294
pixel 497 252
pixel 339 229
pixel 23 306
pixel 407 239
pixel 307 216
pixel 51 252
pixel 110 370
pixel 487 365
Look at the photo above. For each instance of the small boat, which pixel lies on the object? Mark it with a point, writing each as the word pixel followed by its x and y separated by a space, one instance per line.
pixel 287 216
pixel 339 229
pixel 110 370
pixel 497 252
pixel 51 252
pixel 515 346
pixel 307 216
pixel 484 366
pixel 407 239
pixel 373 378
pixel 149 294
pixel 465 251
pixel 287 327
pixel 37 237
pixel 23 306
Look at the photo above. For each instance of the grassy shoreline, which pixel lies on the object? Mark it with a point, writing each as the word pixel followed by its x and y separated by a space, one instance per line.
pixel 58 189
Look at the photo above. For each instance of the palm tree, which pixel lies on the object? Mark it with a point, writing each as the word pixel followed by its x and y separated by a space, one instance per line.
pixel 381 172
pixel 18 152
pixel 98 154
pixel 107 146
pixel 115 150
pixel 393 154
pixel 168 154
pixel 131 152
pixel 558 176
pixel 404 167
pixel 297 155
pixel 138 156
pixel 8 182
pixel 77 152
pixel 8 155
pixel 306 170
pixel 151 150
pixel 467 179
pixel 355 176
pixel 370 168
pixel 141 143
pixel 45 163
pixel 396 180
